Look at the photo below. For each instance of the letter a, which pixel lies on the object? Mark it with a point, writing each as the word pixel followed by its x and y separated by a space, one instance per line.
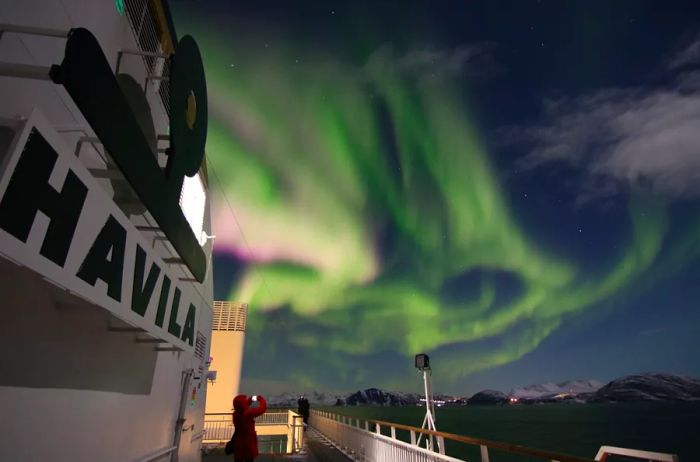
pixel 112 238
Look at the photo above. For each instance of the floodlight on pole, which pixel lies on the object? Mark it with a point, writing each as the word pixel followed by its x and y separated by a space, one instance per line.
pixel 422 363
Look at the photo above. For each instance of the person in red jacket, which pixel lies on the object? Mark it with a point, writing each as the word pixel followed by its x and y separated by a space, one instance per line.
pixel 245 440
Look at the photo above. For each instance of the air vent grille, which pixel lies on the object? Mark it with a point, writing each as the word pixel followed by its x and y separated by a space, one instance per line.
pixel 200 346
pixel 229 316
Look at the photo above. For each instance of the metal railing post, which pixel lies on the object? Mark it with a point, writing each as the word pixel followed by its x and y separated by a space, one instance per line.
pixel 484 453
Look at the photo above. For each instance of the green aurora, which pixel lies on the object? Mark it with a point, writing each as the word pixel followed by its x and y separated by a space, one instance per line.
pixel 318 159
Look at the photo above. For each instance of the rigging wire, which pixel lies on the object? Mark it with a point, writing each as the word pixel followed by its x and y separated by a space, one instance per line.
pixel 212 169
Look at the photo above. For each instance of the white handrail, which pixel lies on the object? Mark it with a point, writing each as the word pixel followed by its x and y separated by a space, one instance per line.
pixel 157 455
pixel 650 456
pixel 347 434
pixel 362 444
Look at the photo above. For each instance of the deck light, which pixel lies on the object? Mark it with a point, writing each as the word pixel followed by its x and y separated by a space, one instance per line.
pixel 422 361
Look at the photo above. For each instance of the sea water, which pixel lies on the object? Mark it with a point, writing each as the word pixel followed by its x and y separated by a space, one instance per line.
pixel 573 429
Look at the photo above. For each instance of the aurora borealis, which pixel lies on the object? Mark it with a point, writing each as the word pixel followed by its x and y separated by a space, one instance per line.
pixel 391 205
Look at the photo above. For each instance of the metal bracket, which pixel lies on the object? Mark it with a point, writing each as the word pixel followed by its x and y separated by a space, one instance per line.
pixel 28 71
pixel 29 30
pixel 25 71
pixel 174 261
pixel 151 54
pixel 125 329
pixel 171 348
pixel 148 340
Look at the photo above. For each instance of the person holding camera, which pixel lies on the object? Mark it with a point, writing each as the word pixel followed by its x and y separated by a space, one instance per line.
pixel 244 442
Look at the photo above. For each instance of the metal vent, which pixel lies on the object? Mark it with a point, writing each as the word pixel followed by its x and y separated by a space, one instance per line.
pixel 229 316
pixel 200 345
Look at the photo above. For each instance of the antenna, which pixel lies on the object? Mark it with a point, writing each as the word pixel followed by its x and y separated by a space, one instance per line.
pixel 423 364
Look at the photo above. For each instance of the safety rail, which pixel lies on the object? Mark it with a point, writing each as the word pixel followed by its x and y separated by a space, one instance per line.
pixel 158 455
pixel 287 426
pixel 154 38
pixel 218 427
pixel 363 444
pixel 606 451
pixel 367 442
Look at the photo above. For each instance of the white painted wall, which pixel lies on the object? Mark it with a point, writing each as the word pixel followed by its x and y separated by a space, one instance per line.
pixel 227 354
pixel 83 410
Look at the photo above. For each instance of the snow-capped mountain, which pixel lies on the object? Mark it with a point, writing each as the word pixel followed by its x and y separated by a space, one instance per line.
pixel 639 387
pixel 650 387
pixel 488 397
pixel 570 387
pixel 289 400
pixel 367 397
pixel 375 396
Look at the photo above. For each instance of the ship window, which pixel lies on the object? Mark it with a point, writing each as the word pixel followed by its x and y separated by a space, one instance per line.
pixel 193 199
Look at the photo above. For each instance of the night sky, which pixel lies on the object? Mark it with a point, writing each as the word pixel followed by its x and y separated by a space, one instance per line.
pixel 511 187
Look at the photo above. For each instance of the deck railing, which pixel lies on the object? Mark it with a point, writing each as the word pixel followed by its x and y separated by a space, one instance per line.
pixel 152 35
pixel 375 440
pixel 280 431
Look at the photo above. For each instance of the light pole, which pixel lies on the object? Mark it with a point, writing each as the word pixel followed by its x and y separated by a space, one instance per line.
pixel 423 364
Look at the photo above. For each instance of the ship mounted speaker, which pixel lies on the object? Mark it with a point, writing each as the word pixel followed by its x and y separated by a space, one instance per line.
pixel 188 109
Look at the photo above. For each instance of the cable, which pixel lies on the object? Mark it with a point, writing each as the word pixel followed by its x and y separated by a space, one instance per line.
pixel 212 168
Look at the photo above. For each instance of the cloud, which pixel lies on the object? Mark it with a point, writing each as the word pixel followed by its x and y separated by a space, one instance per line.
pixel 624 138
pixel 473 60
pixel 688 56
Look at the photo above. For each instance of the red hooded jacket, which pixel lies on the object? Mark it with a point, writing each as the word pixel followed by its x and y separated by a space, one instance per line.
pixel 245 440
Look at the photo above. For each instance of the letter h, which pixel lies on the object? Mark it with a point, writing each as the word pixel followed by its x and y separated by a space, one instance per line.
pixel 29 192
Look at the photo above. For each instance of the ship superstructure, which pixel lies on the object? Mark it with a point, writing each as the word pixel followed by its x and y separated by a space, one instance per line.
pixel 105 249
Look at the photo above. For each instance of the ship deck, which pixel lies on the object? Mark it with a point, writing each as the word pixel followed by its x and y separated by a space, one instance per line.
pixel 316 449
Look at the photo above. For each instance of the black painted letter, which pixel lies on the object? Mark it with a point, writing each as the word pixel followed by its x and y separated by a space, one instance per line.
pixel 188 329
pixel 29 191
pixel 141 293
pixel 163 302
pixel 112 238
pixel 173 326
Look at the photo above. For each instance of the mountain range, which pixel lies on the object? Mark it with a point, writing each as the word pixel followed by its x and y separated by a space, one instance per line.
pixel 549 388
pixel 638 387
